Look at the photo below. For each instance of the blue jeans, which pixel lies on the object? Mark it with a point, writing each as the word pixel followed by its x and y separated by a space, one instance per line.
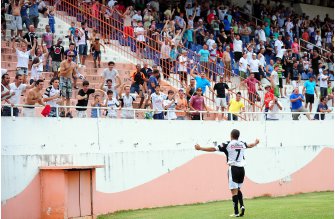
pixel 159 116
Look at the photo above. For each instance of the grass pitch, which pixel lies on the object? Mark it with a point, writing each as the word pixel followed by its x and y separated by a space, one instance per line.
pixel 318 205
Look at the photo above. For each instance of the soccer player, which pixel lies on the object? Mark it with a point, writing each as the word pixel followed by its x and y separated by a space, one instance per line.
pixel 234 151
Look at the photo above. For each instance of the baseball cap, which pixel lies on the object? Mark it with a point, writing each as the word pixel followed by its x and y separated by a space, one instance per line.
pixel 311 76
pixel 181 89
pixel 266 86
pixel 254 54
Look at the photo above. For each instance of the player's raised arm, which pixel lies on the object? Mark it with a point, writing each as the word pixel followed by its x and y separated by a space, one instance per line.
pixel 199 148
pixel 251 145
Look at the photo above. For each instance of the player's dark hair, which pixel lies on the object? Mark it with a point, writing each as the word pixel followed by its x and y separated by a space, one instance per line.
pixel 156 71
pixel 322 99
pixel 111 63
pixel 235 134
pixel 52 80
pixel 238 93
pixel 109 92
pixel 86 83
pixel 109 80
pixel 17 76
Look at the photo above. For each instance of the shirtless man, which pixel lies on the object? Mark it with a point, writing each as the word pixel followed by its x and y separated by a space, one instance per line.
pixel 16 22
pixel 227 64
pixel 67 69
pixel 34 96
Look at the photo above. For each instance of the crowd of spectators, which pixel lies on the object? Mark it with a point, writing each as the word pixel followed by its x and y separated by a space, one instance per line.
pixel 224 43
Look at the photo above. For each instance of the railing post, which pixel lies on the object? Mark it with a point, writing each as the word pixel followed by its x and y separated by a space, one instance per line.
pixel 11 111
pixel 57 111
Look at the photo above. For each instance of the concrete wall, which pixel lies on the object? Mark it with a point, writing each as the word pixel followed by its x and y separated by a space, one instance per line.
pixel 312 10
pixel 155 160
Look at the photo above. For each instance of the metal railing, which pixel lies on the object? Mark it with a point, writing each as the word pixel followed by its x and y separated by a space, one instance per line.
pixel 113 29
pixel 303 48
pixel 204 115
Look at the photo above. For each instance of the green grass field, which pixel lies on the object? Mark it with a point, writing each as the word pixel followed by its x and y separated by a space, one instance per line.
pixel 319 205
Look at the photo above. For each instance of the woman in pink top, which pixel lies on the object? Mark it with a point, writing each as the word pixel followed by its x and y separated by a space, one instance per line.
pixel 295 48
pixel 95 13
pixel 197 103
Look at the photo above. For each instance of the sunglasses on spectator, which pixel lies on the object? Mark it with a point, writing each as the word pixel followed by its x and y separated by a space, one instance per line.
pixel 70 55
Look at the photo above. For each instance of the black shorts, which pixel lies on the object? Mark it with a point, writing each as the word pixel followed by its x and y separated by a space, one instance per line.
pixel 309 98
pixel 280 82
pixel 323 92
pixel 140 44
pixel 237 56
pixel 237 174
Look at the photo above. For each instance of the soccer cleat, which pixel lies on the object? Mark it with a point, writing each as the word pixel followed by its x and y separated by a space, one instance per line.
pixel 242 211
pixel 234 215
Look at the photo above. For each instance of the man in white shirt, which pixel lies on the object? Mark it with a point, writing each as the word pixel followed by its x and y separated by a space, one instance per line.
pixel 254 65
pixel 323 82
pixel 281 52
pixel 278 44
pixel 16 88
pixel 210 42
pixel 51 96
pixel 237 44
pixel 82 42
pixel 111 73
pixel 140 38
pixel 275 79
pixel 274 106
pixel 137 18
pixel 170 104
pixel 288 25
pixel 243 67
pixel 157 100
pixel 127 101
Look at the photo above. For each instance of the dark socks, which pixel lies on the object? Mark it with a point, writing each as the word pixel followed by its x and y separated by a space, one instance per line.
pixel 235 201
pixel 240 198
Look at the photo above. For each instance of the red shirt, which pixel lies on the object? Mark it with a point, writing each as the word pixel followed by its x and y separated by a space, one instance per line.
pixel 305 36
pixel 268 97
pixel 251 83
pixel 210 18
pixel 219 53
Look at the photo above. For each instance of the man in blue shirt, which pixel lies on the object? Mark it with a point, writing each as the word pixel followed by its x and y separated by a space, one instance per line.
pixel 202 81
pixel 296 104
pixel 309 90
pixel 24 15
pixel 153 82
pixel 33 13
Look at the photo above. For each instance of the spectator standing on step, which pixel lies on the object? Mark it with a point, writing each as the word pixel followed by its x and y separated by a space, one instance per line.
pixel 309 91
pixel 56 56
pixel 83 37
pixel 33 12
pixel 16 22
pixel 30 36
pixel 23 58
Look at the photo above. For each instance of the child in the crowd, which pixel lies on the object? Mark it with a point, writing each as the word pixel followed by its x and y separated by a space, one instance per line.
pixel 35 72
pixel 97 52
pixel 52 21
pixel 112 103
pixel 96 103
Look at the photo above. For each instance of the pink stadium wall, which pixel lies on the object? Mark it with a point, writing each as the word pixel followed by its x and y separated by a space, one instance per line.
pixel 141 174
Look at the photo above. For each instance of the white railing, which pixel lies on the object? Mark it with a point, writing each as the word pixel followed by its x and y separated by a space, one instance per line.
pixel 304 42
pixel 242 116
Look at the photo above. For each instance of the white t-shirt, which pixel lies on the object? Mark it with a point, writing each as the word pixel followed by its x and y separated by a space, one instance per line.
pixel 157 102
pixel 82 36
pixel 41 58
pixel 262 61
pixel 35 73
pixel 249 56
pixel 50 92
pixel 22 58
pixel 182 67
pixel 111 3
pixel 254 65
pixel 275 77
pixel 170 115
pixel 139 37
pixel 280 53
pixel 210 43
pixel 289 26
pixel 237 45
pixel 18 91
pixel 108 74
pixel 275 109
pixel 323 83
pixel 112 105
pixel 137 18
pixel 261 35
pixel 244 65
pixel 278 45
